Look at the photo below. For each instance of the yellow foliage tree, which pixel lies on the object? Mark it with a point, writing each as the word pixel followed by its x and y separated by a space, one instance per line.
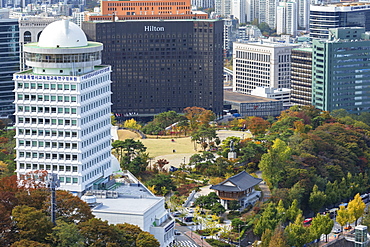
pixel 356 207
pixel 344 216
pixel 131 124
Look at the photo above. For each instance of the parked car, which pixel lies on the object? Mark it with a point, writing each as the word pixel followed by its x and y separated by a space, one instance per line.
pixel 337 231
pixel 177 232
pixel 348 228
pixel 176 214
pixel 188 219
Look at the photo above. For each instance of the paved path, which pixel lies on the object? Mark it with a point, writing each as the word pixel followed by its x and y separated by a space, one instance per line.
pixel 197 239
pixel 264 188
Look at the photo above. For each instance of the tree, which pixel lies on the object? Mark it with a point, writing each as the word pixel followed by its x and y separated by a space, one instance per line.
pixel 130 232
pixel 344 216
pixel 28 243
pixel 145 239
pixel 160 181
pixel 131 124
pixel 278 238
pixel 266 237
pixel 113 120
pixel 317 199
pixel 356 207
pixel 98 233
pixel 274 161
pixel 268 220
pixel 257 125
pixel 297 234
pixel 66 235
pixel 321 224
pixel 31 224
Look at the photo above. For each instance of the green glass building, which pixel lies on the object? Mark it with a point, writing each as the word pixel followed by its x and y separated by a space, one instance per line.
pixel 341 71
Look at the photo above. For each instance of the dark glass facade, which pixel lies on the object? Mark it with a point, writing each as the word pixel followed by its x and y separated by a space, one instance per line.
pixel 9 64
pixel 321 21
pixel 159 66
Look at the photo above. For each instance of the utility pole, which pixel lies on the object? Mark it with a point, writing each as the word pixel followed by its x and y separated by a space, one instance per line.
pixel 52 183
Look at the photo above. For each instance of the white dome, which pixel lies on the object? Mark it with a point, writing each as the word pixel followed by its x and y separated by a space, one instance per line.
pixel 62 34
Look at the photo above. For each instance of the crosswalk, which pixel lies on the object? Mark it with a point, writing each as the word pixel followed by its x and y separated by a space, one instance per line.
pixel 184 243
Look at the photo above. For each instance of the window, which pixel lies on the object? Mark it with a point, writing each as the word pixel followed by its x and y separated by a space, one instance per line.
pixel 73 99
pixel 60 98
pixel 41 166
pixel 74 168
pixel 68 180
pixel 68 168
pixel 74 110
pixel 74 122
pixel 60 110
pixel 61 179
pixel 60 86
pixel 53 98
pixel 61 168
pixel 73 87
pixel 75 180
pixel 60 121
pixel 53 86
pixel 53 121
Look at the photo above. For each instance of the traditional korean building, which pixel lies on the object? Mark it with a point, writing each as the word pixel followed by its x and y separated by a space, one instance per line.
pixel 239 187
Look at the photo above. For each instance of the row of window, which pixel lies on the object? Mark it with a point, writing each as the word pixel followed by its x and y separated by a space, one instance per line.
pixel 42 97
pixel 47 121
pixel 47 156
pixel 94 116
pixel 95 104
pixel 60 110
pixel 34 166
pixel 96 127
pixel 95 161
pixel 41 144
pixel 95 81
pixel 47 86
pixel 97 171
pixel 95 93
pixel 36 132
pixel 95 149
pixel 96 138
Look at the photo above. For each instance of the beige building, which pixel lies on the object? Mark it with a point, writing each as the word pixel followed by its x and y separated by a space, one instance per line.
pixel 261 64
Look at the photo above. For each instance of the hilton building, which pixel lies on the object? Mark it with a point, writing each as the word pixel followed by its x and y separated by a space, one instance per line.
pixel 162 65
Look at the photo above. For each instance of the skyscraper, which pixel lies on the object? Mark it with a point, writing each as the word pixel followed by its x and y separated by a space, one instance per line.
pixel 158 66
pixel 9 63
pixel 286 18
pixel 63 109
pixel 339 15
pixel 341 71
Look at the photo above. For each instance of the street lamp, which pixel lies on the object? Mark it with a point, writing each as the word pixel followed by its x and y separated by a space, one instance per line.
pixel 184 160
pixel 239 234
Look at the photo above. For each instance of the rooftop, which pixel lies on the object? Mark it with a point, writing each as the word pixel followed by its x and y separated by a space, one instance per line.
pixel 244 98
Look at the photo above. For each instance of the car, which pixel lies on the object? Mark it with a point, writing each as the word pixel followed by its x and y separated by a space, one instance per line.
pixel 348 228
pixel 307 222
pixel 176 214
pixel 337 231
pixel 190 210
pixel 177 232
pixel 188 219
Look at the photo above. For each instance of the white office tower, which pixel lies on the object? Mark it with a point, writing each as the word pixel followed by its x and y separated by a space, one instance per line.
pixel 238 10
pixel 261 64
pixel 303 14
pixel 286 18
pixel 63 108
pixel 223 8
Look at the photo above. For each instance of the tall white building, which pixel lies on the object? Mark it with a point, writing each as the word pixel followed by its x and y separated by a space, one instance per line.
pixel 261 64
pixel 63 108
pixel 286 18
pixel 303 14
pixel 238 10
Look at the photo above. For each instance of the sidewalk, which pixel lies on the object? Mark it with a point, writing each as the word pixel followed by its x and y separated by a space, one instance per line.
pixel 197 239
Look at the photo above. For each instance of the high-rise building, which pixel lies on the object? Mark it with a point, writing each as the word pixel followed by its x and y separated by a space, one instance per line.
pixel 147 10
pixel 301 77
pixel 9 63
pixel 63 109
pixel 341 71
pixel 261 64
pixel 238 10
pixel 303 14
pixel 158 66
pixel 339 15
pixel 286 18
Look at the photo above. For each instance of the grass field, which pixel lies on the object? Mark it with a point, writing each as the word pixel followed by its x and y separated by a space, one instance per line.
pixel 163 148
pixel 160 147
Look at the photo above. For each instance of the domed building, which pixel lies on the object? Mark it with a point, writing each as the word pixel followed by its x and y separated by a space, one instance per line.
pixel 63 108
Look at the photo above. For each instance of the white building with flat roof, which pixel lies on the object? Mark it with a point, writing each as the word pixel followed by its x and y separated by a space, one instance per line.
pixel 63 109
pixel 131 202
pixel 286 18
pixel 261 64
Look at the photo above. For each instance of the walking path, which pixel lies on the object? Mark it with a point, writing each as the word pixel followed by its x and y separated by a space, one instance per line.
pixel 197 239
pixel 264 188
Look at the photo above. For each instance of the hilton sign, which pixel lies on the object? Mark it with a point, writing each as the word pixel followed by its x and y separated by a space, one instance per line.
pixel 153 29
